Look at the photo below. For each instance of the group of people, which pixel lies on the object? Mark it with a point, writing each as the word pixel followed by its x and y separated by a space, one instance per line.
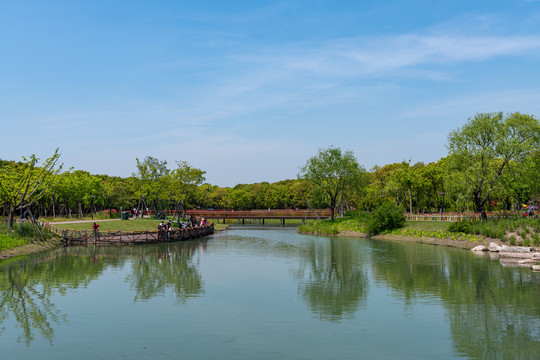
pixel 135 212
pixel 192 222
pixel 165 230
pixel 528 210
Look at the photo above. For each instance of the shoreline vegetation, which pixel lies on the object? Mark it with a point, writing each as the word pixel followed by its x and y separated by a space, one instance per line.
pixel 464 234
pixel 510 232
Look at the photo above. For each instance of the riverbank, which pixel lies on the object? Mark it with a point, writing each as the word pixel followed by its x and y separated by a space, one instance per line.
pixel 462 244
pixel 30 248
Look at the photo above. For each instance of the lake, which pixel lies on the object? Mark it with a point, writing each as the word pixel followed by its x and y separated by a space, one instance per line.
pixel 267 293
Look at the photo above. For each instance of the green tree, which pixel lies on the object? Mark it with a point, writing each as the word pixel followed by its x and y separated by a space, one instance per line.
pixel 332 171
pixel 181 183
pixel 24 185
pixel 150 173
pixel 484 147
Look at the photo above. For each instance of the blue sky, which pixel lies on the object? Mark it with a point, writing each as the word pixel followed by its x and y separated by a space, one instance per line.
pixel 249 90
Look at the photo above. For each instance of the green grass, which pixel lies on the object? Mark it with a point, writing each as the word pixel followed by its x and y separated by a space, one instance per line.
pixel 323 227
pixel 219 227
pixel 9 241
pixel 498 228
pixel 426 225
pixel 116 225
pixel 11 238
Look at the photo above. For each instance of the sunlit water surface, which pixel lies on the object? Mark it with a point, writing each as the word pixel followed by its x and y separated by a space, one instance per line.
pixel 267 293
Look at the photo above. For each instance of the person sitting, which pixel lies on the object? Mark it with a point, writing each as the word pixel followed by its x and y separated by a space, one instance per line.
pixel 203 221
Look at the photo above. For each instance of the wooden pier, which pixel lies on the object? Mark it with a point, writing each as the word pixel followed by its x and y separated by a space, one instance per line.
pixel 89 237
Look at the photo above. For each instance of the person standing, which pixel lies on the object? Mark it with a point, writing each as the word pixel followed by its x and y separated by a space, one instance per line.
pixel 95 227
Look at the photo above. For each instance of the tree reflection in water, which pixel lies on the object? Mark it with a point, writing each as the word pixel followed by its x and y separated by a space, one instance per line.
pixel 28 285
pixel 334 285
pixel 169 266
pixel 493 311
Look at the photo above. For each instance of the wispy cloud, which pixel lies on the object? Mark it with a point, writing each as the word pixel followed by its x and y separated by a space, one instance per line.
pixel 307 75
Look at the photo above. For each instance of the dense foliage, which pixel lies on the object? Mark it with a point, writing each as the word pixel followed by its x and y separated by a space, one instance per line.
pixel 388 216
pixel 501 175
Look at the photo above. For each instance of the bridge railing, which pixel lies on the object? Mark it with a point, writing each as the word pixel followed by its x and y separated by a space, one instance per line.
pixel 260 214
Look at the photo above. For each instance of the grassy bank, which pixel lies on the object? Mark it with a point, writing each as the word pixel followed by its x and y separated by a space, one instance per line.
pixel 19 235
pixel 515 231
pixel 14 242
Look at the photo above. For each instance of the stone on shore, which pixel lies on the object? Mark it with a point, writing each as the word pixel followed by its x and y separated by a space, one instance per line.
pixel 480 248
pixel 518 249
pixel 494 247
pixel 514 254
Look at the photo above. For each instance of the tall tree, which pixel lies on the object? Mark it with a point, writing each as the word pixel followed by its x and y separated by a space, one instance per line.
pixel 182 183
pixel 486 144
pixel 150 173
pixel 24 185
pixel 332 171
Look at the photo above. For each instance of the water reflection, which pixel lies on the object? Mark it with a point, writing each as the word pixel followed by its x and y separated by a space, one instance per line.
pixel 29 304
pixel 332 280
pixel 167 267
pixel 28 285
pixel 493 311
pixel 490 311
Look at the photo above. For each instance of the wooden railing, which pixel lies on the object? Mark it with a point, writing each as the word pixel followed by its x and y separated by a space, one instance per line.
pixel 261 214
pixel 85 237
pixel 457 217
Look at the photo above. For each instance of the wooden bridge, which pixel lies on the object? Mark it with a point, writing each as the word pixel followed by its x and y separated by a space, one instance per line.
pixel 90 237
pixel 260 215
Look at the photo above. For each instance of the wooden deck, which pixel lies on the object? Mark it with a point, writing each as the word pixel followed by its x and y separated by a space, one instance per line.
pixel 89 237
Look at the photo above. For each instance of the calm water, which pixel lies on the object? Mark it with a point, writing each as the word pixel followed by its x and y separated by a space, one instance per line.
pixel 267 294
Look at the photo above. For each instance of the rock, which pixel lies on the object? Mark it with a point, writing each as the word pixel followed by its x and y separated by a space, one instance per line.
pixel 494 247
pixel 535 267
pixel 518 249
pixel 514 254
pixel 480 248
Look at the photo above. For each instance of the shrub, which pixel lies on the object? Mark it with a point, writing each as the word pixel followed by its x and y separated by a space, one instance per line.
pixel 461 226
pixel 386 217
pixel 357 215
pixel 323 227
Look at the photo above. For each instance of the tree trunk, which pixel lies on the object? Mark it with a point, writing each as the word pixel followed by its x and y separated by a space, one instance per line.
pixel 410 200
pixel 480 204
pixel 332 208
pixel 10 218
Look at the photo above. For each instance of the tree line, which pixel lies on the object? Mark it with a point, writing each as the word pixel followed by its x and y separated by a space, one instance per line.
pixel 493 163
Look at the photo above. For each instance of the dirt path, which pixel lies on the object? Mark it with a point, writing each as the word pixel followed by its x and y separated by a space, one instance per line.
pixel 81 221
